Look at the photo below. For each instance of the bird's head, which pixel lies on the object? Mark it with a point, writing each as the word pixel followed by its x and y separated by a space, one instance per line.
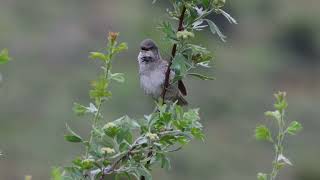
pixel 149 52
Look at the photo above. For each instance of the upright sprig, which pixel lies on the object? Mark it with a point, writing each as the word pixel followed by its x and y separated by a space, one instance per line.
pixel 284 128
pixel 4 58
pixel 192 17
pixel 99 94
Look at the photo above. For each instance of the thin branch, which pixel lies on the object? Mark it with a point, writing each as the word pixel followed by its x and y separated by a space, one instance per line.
pixel 173 54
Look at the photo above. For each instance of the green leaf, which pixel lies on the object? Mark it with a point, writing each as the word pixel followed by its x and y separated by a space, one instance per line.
pixel 79 109
pixel 98 55
pixel 142 171
pixel 121 47
pixel 262 176
pixel 124 135
pixel 283 159
pixel 282 105
pixel 273 114
pixel 56 173
pixel 183 140
pixel 294 128
pixel 99 90
pixel 192 115
pixel 203 77
pixel 215 30
pixel 179 65
pixel 111 129
pixel 4 56
pixel 219 3
pixel 196 132
pixel 87 163
pixel 164 160
pixel 124 174
pixel 263 133
pixel 168 31
pixel 73 137
pixel 126 122
pixel 119 77
pixel 228 17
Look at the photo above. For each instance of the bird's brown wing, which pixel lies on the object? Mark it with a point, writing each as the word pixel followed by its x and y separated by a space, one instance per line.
pixel 182 88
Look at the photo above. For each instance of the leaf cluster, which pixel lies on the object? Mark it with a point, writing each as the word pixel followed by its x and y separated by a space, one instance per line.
pixel 191 56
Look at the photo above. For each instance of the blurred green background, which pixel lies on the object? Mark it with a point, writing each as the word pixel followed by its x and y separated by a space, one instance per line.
pixel 275 46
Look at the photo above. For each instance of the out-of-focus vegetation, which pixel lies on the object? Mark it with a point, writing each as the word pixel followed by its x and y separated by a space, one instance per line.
pixel 276 136
pixel 275 46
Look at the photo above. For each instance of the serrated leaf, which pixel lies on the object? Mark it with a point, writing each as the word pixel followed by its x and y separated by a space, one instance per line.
pixel 79 109
pixel 98 55
pixel 168 31
pixel 73 137
pixel 99 90
pixel 262 176
pixel 273 114
pixel 4 56
pixel 126 122
pixel 124 174
pixel 215 30
pixel 197 25
pixel 282 158
pixel 263 133
pixel 142 171
pixel 197 132
pixel 294 128
pixel 192 115
pixel 204 64
pixel 56 173
pixel 179 65
pixel 92 108
pixel 201 76
pixel 121 47
pixel 119 77
pixel 228 17
pixel 164 161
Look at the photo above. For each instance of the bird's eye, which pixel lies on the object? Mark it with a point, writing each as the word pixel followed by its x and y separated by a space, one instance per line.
pixel 145 49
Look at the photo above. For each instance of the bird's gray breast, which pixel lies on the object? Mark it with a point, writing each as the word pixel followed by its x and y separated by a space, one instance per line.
pixel 152 81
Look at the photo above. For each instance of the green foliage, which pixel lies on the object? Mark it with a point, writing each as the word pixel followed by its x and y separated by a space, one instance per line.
pixel 126 147
pixel 130 148
pixel 190 56
pixel 4 56
pixel 56 174
pixel 262 132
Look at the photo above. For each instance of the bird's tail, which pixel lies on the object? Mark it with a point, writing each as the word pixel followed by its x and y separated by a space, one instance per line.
pixel 182 101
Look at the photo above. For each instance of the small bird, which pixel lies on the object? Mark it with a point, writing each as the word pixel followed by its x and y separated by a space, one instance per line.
pixel 152 72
